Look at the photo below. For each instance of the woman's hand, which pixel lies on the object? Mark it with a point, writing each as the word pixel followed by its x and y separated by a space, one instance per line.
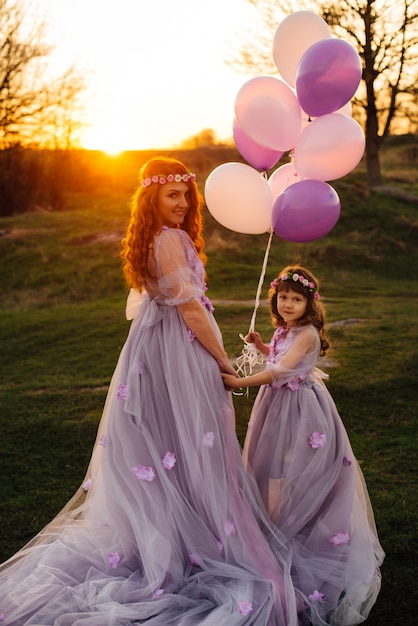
pixel 226 367
pixel 231 381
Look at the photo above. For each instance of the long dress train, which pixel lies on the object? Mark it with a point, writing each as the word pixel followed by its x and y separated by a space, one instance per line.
pixel 167 528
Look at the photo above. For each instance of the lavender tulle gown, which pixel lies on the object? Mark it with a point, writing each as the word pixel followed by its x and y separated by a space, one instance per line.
pixel 312 485
pixel 166 529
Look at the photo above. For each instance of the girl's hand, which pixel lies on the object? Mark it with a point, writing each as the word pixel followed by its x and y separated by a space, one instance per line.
pixel 254 338
pixel 231 381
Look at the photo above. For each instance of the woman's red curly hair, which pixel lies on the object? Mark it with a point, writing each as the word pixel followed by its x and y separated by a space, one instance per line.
pixel 145 221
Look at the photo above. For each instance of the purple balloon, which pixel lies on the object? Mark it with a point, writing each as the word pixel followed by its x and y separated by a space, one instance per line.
pixel 327 76
pixel 305 211
pixel 256 155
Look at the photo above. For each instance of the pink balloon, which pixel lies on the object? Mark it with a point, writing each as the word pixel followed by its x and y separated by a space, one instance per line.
pixel 239 198
pixel 327 76
pixel 293 36
pixel 283 177
pixel 268 112
pixel 258 156
pixel 329 147
pixel 305 211
pixel 347 109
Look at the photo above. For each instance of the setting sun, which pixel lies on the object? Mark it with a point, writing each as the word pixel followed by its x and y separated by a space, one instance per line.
pixel 154 77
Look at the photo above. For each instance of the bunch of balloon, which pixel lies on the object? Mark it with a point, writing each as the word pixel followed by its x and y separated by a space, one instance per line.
pixel 306 112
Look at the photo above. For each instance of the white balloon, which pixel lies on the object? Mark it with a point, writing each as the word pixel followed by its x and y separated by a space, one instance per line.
pixel 239 198
pixel 293 36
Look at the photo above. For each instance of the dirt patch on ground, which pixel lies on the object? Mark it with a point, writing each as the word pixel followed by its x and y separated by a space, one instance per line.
pixel 109 236
pixel 84 240
pixel 21 232
pixel 402 194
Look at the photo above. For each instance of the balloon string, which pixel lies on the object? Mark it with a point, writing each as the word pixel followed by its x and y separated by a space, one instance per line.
pixel 261 281
pixel 250 356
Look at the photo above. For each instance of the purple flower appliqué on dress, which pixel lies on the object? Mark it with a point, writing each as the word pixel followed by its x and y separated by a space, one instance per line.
pixel 229 528
pixel 144 473
pixel 87 484
pixel 114 559
pixel 317 440
pixel 190 334
pixel 208 439
pixel 245 608
pixel 194 558
pixel 103 441
pixel 346 462
pixel 122 393
pixel 169 460
pixel 340 538
pixel 276 344
pixel 316 595
pixel 207 303
pixel 157 593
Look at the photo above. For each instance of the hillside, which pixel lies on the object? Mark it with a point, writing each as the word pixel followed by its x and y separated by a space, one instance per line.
pixel 62 326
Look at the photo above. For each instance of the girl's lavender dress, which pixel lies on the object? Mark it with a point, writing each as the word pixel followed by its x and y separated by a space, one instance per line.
pixel 312 485
pixel 166 529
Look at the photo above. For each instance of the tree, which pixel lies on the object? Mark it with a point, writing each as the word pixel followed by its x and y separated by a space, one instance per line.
pixel 37 110
pixel 31 99
pixel 206 137
pixel 385 34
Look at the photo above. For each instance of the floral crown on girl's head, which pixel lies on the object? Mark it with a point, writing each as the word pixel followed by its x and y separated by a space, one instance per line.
pixel 169 178
pixel 298 278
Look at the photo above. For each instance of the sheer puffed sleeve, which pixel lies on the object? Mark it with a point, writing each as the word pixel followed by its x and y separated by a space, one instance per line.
pixel 179 270
pixel 296 362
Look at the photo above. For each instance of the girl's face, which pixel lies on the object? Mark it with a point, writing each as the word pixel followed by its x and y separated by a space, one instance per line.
pixel 291 305
pixel 173 203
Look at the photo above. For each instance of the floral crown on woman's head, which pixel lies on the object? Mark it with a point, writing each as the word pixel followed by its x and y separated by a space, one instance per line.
pixel 169 178
pixel 298 278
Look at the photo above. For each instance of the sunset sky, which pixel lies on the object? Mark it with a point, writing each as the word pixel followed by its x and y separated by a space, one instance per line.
pixel 156 70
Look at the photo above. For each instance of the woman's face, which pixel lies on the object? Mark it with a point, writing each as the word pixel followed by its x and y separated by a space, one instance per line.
pixel 173 203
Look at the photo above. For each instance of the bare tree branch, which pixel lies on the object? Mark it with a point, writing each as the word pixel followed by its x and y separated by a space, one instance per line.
pixel 31 102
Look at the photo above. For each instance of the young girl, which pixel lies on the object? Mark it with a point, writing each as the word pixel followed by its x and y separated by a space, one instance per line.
pixel 299 452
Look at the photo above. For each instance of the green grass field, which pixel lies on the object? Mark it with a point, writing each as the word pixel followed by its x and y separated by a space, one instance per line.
pixel 62 326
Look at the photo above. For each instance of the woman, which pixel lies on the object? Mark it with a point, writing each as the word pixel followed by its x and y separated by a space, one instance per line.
pixel 166 529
